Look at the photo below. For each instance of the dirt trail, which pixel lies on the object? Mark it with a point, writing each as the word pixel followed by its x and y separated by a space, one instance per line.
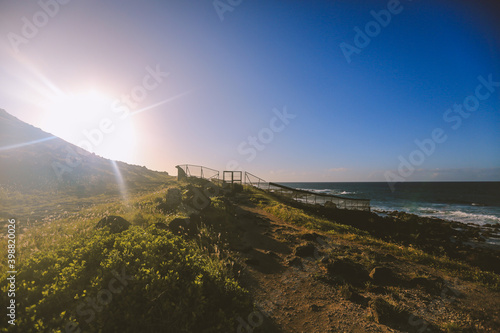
pixel 291 295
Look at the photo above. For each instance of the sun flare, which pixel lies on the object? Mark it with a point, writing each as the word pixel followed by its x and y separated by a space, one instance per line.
pixel 87 120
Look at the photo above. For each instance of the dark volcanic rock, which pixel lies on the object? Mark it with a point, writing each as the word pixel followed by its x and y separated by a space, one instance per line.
pixel 348 270
pixel 383 312
pixel 172 200
pixel 395 317
pixel 433 285
pixel 161 226
pixel 306 250
pixel 316 308
pixel 382 275
pixel 295 262
pixel 330 205
pixel 197 198
pixel 252 261
pixel 184 226
pixel 116 224
pixel 173 197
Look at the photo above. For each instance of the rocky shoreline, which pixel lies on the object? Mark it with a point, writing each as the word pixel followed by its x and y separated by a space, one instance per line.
pixel 470 243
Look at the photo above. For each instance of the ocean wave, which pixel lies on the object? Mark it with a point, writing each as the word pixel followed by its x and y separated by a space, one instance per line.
pixel 327 191
pixel 323 191
pixel 460 216
pixel 345 192
pixel 474 217
pixel 451 214
pixel 424 210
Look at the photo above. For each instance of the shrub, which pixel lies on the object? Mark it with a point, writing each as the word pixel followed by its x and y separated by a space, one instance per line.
pixel 140 280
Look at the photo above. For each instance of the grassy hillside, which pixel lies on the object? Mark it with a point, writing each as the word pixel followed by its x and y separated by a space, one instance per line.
pixel 247 261
pixel 73 275
pixel 42 176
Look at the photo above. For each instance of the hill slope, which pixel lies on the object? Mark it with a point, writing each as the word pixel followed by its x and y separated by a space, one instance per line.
pixel 36 163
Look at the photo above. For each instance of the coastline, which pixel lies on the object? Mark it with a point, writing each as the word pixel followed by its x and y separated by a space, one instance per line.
pixel 489 232
pixel 470 243
pixel 465 202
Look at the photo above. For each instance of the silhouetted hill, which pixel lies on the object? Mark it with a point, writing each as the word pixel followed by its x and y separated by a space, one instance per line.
pixel 41 174
pixel 31 158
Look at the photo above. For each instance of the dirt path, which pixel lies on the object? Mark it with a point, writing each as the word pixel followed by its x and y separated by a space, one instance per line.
pixel 287 292
pixel 291 294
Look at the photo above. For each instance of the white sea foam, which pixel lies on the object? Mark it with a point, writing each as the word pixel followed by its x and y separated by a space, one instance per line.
pixel 328 191
pixel 473 217
pixel 453 213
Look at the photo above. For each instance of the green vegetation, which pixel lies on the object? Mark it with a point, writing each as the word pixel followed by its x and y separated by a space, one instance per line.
pixel 165 281
pixel 71 275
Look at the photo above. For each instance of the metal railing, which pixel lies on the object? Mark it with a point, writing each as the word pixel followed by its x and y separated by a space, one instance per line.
pixel 308 197
pixel 199 171
pixel 255 181
pixel 323 199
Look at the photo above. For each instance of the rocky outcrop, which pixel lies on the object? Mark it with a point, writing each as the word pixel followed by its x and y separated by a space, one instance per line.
pixel 115 224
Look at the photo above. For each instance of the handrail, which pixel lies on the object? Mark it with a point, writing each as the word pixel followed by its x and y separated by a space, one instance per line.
pixel 318 194
pixel 258 178
pixel 293 193
pixel 185 168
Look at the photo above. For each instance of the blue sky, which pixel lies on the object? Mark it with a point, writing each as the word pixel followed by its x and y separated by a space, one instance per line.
pixel 231 83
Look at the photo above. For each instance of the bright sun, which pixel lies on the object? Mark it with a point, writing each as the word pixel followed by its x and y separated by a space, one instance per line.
pixel 87 120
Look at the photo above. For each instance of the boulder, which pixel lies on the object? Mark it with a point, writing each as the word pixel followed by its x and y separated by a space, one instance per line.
pixel 161 226
pixel 348 270
pixel 115 224
pixel 183 226
pixel 174 195
pixel 316 308
pixel 306 250
pixel 295 262
pixel 382 275
pixel 173 199
pixel 252 262
pixel 433 285
pixel 383 312
pixel 197 198
pixel 330 204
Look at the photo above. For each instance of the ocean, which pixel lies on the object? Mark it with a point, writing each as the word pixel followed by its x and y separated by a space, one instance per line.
pixel 469 202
